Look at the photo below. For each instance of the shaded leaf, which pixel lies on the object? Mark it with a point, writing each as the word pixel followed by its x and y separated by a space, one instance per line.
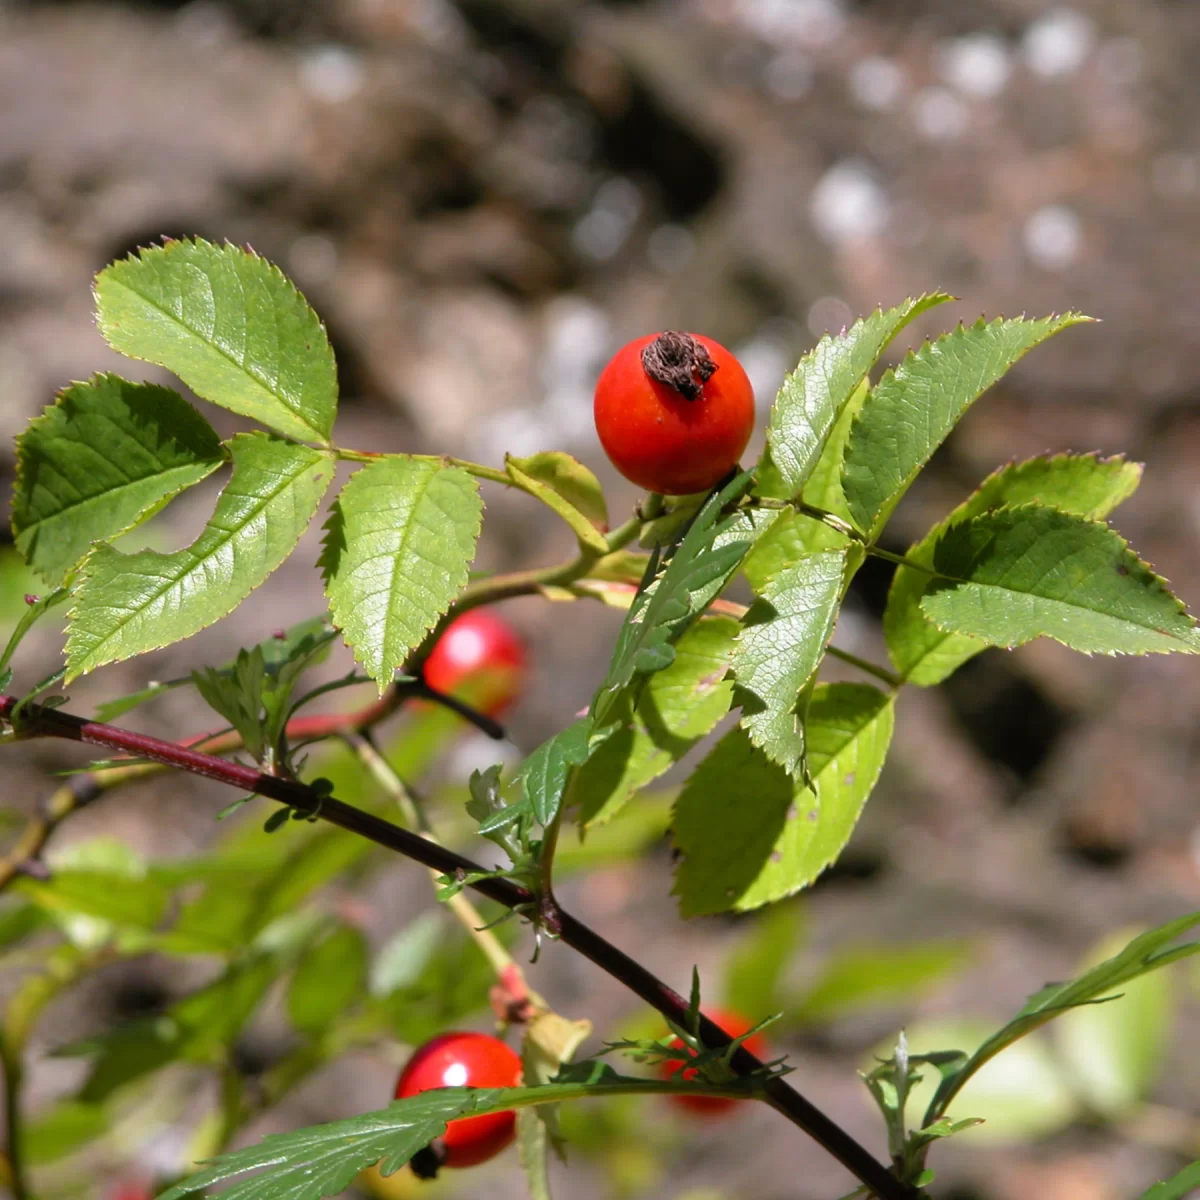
pixel 1114 1051
pixel 61 1130
pixel 139 903
pixel 910 411
pixel 568 488
pixel 1178 1187
pixel 320 1161
pixel 1011 575
pixel 812 396
pixel 198 1028
pixel 679 705
pixel 1145 953
pixel 107 455
pixel 1020 1095
pixel 127 604
pixel 330 978
pixel 703 563
pixel 545 772
pixel 30 617
pixel 230 325
pixel 750 833
pixel 1085 485
pixel 398 543
pixel 756 968
pixel 782 641
pixel 859 977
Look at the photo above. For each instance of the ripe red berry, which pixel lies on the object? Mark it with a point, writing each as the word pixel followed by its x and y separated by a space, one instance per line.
pixel 674 412
pixel 735 1025
pixel 462 1060
pixel 479 659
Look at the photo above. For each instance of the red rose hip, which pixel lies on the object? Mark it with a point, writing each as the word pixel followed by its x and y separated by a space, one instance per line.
pixel 674 412
pixel 462 1060
pixel 479 659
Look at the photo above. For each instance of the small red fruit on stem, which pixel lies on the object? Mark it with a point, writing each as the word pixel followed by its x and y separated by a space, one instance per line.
pixel 735 1025
pixel 674 412
pixel 462 1060
pixel 478 659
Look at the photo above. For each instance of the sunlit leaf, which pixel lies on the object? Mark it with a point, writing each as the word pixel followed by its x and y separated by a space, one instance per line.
pixel 231 326
pixel 107 455
pixel 127 604
pixel 397 546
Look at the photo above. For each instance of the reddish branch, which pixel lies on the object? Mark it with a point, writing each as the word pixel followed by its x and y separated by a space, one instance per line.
pixel 37 721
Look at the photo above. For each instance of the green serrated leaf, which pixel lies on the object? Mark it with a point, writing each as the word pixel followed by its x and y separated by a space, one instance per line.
pixel 1178 1187
pixel 309 1164
pixel 545 772
pixel 778 836
pixel 1085 485
pixel 701 566
pixel 569 489
pixel 330 978
pixel 1145 953
pixel 231 326
pixel 914 406
pixel 678 706
pixel 107 455
pixel 1114 1051
pixel 782 642
pixel 812 396
pixel 127 604
pixel 1011 575
pixel 792 535
pixel 398 543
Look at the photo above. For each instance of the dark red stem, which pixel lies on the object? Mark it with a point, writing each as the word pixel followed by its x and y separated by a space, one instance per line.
pixel 47 722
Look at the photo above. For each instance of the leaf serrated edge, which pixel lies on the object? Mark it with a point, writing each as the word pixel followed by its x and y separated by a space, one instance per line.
pixel 922 550
pixel 229 250
pixel 1056 323
pixel 22 457
pixel 1146 573
pixel 457 584
pixel 82 577
pixel 914 307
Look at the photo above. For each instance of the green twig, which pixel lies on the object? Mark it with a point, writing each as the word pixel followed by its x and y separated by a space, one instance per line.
pixel 415 818
pixel 14 1074
pixel 882 673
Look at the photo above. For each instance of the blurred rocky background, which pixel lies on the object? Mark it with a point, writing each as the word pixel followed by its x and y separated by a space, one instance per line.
pixel 484 198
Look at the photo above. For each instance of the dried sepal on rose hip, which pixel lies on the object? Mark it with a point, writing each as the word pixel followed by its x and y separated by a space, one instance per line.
pixel 734 1024
pixel 459 1059
pixel 674 412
